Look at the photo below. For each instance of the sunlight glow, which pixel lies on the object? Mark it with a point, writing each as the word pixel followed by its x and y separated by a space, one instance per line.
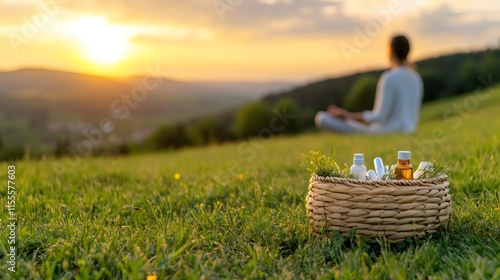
pixel 102 43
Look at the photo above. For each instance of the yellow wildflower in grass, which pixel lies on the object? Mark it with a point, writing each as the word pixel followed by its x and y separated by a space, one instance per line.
pixel 240 176
pixel 65 265
pixel 177 176
pixel 152 277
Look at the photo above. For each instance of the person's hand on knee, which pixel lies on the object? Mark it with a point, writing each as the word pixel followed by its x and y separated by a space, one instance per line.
pixel 336 112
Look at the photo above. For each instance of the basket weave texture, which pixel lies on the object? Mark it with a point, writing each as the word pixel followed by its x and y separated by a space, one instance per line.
pixel 394 209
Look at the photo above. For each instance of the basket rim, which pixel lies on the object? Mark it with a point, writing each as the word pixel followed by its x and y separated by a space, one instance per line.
pixel 417 182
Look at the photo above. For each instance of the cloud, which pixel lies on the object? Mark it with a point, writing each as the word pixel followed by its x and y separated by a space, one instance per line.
pixel 251 16
pixel 158 12
pixel 18 12
pixel 260 17
pixel 264 19
pixel 171 34
pixel 289 19
pixel 447 22
pixel 329 10
pixel 287 23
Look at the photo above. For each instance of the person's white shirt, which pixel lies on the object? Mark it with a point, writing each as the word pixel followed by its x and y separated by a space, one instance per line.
pixel 397 102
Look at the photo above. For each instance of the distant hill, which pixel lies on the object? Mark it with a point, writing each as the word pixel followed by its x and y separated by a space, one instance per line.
pixel 35 99
pixel 90 97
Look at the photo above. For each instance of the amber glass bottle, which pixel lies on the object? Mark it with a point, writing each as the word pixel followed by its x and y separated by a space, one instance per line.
pixel 404 169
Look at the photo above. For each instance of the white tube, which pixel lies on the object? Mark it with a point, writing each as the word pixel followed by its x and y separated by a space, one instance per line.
pixel 379 167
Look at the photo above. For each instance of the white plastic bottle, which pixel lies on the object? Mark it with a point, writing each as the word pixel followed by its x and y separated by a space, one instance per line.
pixel 358 170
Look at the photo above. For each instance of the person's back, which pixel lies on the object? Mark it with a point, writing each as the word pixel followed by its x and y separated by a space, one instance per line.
pixel 402 98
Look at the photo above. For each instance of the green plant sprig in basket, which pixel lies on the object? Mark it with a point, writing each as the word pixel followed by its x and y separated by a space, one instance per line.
pixel 325 166
pixel 432 171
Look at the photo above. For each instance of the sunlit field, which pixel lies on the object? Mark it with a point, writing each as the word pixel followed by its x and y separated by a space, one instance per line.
pixel 238 210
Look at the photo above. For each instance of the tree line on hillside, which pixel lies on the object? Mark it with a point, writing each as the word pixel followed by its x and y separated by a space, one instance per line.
pixel 256 119
pixel 293 111
pixel 10 152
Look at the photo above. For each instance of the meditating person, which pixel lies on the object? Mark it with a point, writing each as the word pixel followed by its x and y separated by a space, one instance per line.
pixel 397 101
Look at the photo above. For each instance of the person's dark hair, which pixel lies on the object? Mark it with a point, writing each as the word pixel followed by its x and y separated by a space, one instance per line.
pixel 400 47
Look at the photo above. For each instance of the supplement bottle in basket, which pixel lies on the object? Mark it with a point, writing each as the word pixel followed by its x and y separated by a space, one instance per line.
pixel 404 169
pixel 358 170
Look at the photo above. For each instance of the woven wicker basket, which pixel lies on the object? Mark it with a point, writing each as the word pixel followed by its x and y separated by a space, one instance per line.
pixel 394 209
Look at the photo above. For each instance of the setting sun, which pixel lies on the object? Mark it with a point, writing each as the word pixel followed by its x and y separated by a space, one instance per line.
pixel 101 42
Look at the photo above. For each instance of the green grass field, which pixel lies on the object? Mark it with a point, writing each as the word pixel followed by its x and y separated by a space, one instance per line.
pixel 238 210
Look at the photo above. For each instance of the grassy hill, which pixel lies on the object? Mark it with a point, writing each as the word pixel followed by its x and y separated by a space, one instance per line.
pixel 237 210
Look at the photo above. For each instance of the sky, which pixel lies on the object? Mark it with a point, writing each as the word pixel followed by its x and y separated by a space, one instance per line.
pixel 237 40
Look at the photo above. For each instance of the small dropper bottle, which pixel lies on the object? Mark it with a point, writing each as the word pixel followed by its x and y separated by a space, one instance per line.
pixel 404 169
pixel 358 170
